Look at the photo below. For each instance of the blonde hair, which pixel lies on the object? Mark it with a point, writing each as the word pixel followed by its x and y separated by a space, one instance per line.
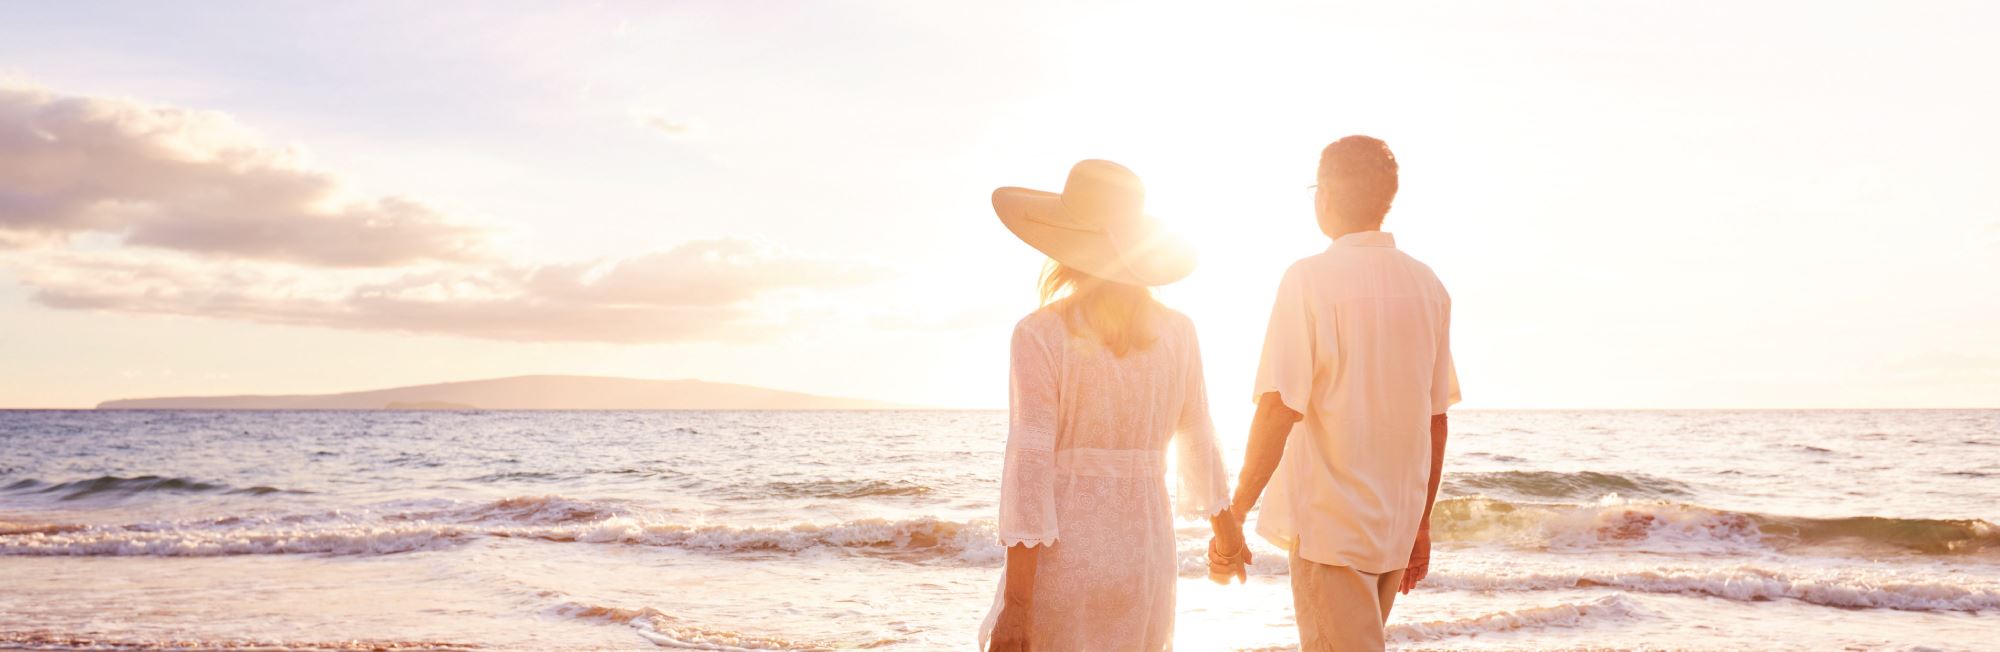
pixel 1116 314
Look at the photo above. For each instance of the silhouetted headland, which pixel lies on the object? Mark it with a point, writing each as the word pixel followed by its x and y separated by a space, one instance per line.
pixel 526 393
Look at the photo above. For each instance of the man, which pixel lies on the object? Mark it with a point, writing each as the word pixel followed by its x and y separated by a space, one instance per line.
pixel 1350 425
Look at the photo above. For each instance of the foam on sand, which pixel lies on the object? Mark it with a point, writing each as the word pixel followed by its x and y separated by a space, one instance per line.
pixel 66 642
pixel 666 631
pixel 1857 590
pixel 1566 614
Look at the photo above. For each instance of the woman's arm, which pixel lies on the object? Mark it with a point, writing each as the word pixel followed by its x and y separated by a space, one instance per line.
pixel 1010 631
pixel 1027 483
pixel 1021 562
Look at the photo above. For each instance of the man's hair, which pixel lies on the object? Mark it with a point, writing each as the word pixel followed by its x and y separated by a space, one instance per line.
pixel 1359 173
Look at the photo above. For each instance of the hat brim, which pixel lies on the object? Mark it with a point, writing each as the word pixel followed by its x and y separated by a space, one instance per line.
pixel 1137 252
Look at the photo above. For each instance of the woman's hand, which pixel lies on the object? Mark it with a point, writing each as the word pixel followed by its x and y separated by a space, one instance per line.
pixel 1228 553
pixel 1010 632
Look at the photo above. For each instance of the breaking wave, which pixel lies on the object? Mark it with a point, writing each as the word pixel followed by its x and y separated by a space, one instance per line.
pixel 118 487
pixel 1555 484
pixel 1614 522
pixel 845 489
pixel 544 518
pixel 56 641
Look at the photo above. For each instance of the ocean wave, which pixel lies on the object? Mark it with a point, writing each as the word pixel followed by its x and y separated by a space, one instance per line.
pixel 667 631
pixel 1660 525
pixel 844 489
pixel 229 541
pixel 1556 484
pixel 520 510
pixel 10 528
pixel 115 486
pixel 41 640
pixel 1610 607
pixel 1611 524
pixel 1855 590
pixel 912 539
pixel 543 518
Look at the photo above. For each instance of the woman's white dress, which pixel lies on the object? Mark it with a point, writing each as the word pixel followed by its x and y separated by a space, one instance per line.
pixel 1085 476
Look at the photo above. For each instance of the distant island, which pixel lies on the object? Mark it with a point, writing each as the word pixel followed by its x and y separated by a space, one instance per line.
pixel 428 405
pixel 526 393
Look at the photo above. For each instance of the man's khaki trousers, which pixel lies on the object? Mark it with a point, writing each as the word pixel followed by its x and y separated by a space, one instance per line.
pixel 1340 609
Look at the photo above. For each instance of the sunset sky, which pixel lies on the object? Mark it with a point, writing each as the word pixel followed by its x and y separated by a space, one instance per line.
pixel 1698 205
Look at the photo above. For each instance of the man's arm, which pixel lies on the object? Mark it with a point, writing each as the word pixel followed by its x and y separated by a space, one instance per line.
pixel 1420 554
pixel 1439 431
pixel 1268 431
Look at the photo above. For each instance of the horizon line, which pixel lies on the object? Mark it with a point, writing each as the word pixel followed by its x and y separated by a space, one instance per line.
pixel 977 409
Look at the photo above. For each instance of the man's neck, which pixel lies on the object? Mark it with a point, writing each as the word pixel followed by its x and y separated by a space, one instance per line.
pixel 1342 234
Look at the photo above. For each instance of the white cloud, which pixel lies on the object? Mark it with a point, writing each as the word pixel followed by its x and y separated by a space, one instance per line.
pixel 701 290
pixel 117 206
pixel 666 125
pixel 196 182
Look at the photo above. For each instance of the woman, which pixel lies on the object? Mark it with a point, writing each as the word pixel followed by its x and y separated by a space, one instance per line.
pixel 1103 376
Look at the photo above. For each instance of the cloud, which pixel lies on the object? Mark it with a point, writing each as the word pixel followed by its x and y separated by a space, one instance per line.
pixel 1946 368
pixel 195 182
pixel 701 290
pixel 666 125
pixel 116 206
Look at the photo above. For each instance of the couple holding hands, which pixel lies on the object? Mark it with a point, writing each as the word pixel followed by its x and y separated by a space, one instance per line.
pixel 1348 436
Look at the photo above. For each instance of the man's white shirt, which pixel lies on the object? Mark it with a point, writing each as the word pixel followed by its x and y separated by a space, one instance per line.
pixel 1360 343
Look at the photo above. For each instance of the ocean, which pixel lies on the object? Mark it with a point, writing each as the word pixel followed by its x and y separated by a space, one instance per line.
pixel 1701 530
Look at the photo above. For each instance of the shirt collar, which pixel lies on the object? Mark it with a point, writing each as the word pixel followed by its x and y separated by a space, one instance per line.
pixel 1365 239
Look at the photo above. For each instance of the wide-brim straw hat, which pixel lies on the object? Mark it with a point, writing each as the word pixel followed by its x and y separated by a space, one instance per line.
pixel 1097 225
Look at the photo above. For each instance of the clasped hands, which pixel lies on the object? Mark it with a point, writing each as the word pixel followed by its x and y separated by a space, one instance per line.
pixel 1228 552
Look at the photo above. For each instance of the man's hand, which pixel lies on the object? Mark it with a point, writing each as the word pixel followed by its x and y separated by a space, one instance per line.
pixel 1228 552
pixel 1420 554
pixel 1010 631
pixel 1420 561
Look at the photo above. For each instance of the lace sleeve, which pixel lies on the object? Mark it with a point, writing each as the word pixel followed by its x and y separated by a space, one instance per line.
pixel 1203 485
pixel 1027 483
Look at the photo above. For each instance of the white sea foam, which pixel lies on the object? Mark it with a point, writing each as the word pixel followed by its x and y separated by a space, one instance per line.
pixel 547 518
pixel 67 643
pixel 666 631
pixel 1610 522
pixel 1610 607
pixel 1613 522
pixel 1866 590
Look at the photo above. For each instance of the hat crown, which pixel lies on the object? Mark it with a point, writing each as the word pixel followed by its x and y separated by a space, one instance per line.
pixel 1099 192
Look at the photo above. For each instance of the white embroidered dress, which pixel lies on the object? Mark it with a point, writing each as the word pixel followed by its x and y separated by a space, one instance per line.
pixel 1085 476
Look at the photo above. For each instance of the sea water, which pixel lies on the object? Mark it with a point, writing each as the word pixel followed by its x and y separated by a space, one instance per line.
pixel 873 530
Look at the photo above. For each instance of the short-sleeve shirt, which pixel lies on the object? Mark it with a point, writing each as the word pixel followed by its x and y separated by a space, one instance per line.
pixel 1360 344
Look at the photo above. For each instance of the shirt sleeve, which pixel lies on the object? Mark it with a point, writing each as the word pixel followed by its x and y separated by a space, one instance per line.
pixel 1287 364
pixel 1202 489
pixel 1444 377
pixel 1027 482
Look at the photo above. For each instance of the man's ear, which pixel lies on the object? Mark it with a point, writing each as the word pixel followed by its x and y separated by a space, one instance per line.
pixel 1323 212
